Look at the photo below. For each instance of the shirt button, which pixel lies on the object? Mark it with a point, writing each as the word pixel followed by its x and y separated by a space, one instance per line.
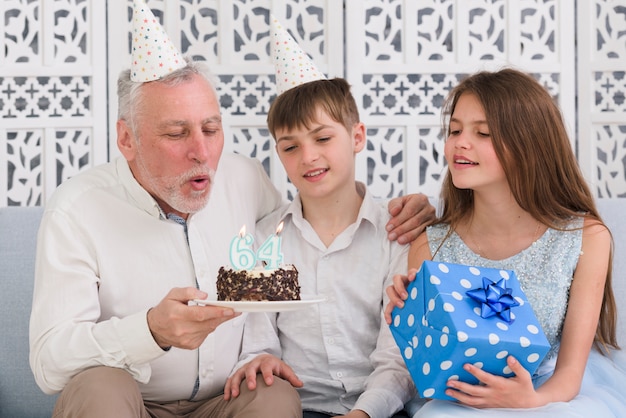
pixel 339 375
pixel 331 341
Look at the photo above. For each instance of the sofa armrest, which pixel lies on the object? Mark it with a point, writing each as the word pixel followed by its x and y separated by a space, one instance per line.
pixel 19 394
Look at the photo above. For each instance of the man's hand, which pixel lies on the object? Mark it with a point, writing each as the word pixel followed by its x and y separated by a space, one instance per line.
pixel 266 364
pixel 410 215
pixel 173 323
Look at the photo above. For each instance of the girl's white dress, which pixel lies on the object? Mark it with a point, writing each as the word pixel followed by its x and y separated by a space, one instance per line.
pixel 545 271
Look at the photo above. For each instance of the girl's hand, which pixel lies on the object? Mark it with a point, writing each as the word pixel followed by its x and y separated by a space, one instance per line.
pixel 496 391
pixel 397 292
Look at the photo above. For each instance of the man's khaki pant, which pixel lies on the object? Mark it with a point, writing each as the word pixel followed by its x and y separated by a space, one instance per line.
pixel 112 393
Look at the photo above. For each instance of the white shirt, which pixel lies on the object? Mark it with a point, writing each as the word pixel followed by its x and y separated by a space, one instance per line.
pixel 106 254
pixel 342 349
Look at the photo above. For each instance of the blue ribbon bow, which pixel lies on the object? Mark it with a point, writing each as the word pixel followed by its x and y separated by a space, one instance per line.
pixel 495 299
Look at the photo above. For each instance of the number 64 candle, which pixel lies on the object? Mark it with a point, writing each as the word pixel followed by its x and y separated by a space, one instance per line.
pixel 242 257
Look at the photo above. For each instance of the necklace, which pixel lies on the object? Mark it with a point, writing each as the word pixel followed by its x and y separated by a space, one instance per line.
pixel 480 250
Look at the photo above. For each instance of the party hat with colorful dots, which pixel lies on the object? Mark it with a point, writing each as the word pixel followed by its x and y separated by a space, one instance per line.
pixel 153 55
pixel 293 65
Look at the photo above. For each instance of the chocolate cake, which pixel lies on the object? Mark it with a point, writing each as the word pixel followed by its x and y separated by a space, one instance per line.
pixel 259 284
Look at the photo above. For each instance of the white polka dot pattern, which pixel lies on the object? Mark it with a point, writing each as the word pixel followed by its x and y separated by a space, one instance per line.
pixel 440 328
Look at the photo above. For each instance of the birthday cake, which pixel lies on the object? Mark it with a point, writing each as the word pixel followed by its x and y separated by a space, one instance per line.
pixel 259 284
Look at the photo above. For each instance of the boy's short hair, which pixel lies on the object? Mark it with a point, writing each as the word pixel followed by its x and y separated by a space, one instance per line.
pixel 299 105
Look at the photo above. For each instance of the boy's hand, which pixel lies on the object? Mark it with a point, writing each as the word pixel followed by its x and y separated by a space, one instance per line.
pixel 410 215
pixel 266 364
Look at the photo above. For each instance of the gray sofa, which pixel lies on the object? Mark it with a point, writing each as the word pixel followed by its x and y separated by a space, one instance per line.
pixel 20 396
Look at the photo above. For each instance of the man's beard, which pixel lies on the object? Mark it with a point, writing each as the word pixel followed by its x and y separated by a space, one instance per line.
pixel 170 189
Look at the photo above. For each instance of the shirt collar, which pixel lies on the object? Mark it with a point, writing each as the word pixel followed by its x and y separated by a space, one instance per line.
pixel 143 200
pixel 369 211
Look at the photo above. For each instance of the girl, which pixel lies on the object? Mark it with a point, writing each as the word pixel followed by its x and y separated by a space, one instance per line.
pixel 514 198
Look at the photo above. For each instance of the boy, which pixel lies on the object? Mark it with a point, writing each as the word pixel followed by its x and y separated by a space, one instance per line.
pixel 339 353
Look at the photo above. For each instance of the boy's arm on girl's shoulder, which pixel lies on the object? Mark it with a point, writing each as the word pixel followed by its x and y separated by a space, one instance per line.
pixel 410 214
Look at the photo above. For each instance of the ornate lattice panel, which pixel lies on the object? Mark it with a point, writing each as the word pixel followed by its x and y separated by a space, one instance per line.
pixel 407 55
pixel 402 57
pixel 602 95
pixel 52 95
pixel 24 168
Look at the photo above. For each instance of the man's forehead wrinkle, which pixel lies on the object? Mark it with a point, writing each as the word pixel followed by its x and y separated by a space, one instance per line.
pixel 182 122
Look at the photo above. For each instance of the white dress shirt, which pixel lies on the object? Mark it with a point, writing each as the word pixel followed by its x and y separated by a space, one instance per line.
pixel 106 254
pixel 342 349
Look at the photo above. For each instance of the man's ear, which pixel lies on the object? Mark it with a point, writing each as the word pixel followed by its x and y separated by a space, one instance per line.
pixel 359 136
pixel 126 141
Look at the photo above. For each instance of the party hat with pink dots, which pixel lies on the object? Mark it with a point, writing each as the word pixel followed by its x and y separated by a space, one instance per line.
pixel 153 54
pixel 293 65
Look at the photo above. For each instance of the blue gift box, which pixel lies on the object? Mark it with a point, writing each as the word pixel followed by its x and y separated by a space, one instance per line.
pixel 457 314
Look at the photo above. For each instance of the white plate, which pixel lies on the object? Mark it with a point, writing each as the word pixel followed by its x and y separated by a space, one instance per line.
pixel 266 305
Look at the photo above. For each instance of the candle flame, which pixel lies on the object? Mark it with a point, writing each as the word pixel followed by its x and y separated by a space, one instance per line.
pixel 242 231
pixel 279 228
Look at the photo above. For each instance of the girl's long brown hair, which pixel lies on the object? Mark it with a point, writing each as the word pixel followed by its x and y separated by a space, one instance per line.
pixel 531 142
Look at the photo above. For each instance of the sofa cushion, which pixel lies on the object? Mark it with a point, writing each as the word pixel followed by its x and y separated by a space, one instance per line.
pixel 19 394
